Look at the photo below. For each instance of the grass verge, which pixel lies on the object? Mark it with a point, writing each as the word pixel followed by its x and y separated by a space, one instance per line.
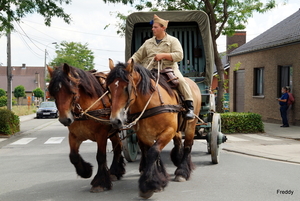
pixel 21 110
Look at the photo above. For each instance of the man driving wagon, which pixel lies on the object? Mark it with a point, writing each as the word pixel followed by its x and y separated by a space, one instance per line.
pixel 167 49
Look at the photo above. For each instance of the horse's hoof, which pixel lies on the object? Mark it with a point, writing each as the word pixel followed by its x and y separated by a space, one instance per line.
pixel 97 189
pixel 146 195
pixel 113 177
pixel 180 179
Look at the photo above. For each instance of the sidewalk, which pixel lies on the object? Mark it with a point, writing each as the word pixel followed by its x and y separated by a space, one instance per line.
pixel 27 117
pixel 292 132
pixel 285 145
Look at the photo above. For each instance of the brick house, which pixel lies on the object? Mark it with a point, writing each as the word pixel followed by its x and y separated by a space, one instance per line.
pixel 29 77
pixel 267 63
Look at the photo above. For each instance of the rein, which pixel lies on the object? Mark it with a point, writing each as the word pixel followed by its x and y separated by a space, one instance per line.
pixel 100 111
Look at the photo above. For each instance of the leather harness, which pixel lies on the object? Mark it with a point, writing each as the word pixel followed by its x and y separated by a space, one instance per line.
pixel 103 114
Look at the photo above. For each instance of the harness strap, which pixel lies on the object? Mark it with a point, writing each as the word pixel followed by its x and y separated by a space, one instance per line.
pixel 156 110
pixel 95 114
pixel 102 80
pixel 83 115
pixel 160 96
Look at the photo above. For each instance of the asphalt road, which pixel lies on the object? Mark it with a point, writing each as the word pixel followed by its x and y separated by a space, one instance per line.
pixel 35 167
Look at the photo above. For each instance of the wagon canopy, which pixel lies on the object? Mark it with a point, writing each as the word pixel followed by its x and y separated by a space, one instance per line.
pixel 177 19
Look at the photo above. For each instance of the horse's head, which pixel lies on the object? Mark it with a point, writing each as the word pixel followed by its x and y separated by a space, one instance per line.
pixel 64 88
pixel 122 88
pixel 126 82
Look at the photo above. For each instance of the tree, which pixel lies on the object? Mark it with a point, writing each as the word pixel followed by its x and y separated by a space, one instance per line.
pixel 74 54
pixel 15 10
pixel 226 16
pixel 38 92
pixel 19 91
pixel 2 92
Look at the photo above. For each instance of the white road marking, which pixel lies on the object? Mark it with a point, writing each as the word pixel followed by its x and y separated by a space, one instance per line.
pixel 87 141
pixel 54 140
pixel 23 141
pixel 51 140
pixel 90 141
pixel 259 137
pixel 236 139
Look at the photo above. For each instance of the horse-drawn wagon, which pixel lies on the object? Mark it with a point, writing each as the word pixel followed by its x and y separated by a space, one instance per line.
pixel 139 97
pixel 193 31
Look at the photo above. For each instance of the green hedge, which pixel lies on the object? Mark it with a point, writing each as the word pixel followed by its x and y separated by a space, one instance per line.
pixel 241 123
pixel 9 122
pixel 3 101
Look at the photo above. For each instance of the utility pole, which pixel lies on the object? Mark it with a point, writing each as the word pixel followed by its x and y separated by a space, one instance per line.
pixel 45 66
pixel 9 74
pixel 45 76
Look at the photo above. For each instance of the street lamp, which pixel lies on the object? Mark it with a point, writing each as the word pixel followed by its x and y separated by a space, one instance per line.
pixel 45 77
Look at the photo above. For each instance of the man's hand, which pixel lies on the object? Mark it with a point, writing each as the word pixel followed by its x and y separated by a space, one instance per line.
pixel 129 61
pixel 161 56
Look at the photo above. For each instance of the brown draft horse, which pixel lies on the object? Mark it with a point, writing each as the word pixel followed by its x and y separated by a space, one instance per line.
pixel 131 87
pixel 74 91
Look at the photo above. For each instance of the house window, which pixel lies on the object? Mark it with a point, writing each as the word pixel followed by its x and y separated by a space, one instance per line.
pixel 285 75
pixel 258 81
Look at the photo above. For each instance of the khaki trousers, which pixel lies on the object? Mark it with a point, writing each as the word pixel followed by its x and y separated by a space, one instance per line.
pixel 183 87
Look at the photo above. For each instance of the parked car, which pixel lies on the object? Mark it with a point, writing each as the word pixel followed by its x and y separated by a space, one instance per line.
pixel 47 109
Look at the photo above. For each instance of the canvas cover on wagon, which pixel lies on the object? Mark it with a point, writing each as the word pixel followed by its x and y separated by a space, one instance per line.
pixel 190 27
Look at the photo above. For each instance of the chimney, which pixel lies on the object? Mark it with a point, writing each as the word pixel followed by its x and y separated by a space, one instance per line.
pixel 239 38
pixel 23 66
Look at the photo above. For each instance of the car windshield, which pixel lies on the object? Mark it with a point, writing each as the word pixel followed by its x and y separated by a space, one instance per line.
pixel 47 104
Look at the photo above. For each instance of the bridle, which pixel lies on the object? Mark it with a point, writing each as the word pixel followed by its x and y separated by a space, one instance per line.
pixel 75 105
pixel 132 92
pixel 132 85
pixel 78 115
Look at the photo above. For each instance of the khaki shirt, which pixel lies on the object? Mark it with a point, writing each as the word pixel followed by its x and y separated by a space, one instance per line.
pixel 150 48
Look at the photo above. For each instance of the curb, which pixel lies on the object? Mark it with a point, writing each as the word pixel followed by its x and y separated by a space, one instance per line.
pixel 27 117
pixel 5 136
pixel 260 156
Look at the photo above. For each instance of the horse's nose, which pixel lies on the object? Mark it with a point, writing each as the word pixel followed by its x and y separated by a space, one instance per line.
pixel 116 123
pixel 66 121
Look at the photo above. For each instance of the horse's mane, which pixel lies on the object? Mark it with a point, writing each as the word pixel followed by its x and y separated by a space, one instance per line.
pixel 144 86
pixel 77 77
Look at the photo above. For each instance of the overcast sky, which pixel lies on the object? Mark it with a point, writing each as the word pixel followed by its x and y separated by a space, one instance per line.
pixel 89 18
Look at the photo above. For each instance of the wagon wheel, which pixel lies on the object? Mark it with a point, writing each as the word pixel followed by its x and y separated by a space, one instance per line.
pixel 214 147
pixel 208 137
pixel 130 145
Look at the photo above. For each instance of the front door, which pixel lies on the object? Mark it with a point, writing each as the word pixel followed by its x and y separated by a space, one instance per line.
pixel 239 91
